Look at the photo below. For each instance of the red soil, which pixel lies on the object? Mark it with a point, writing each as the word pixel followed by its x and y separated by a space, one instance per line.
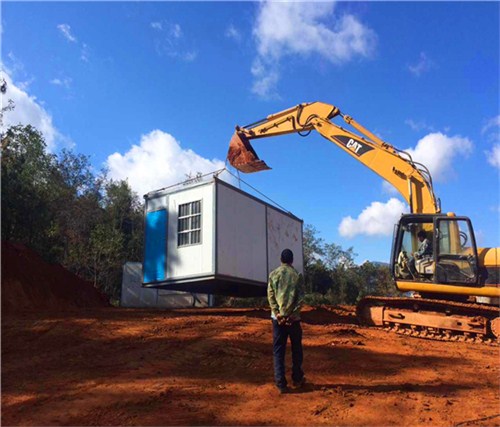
pixel 214 367
pixel 28 282
pixel 108 366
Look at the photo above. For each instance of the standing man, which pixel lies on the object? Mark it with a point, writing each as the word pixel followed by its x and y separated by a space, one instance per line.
pixel 285 293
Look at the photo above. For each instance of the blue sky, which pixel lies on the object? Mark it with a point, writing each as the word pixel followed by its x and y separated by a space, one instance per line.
pixel 153 91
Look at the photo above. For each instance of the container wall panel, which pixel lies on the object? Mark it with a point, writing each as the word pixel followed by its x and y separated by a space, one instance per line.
pixel 185 260
pixel 134 295
pixel 241 235
pixel 283 232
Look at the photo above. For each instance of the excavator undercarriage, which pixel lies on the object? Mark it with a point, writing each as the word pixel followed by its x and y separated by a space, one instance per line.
pixel 432 318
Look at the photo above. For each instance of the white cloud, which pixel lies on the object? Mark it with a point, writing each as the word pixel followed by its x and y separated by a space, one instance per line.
pixel 266 79
pixel 28 110
pixel 302 29
pixel 173 30
pixel 438 152
pixel 189 56
pixel 65 82
pixel 65 30
pixel 378 219
pixel 491 130
pixel 15 65
pixel 158 161
pixel 85 53
pixel 423 65
pixel 176 31
pixel 418 126
pixel 494 156
pixel 157 26
pixel 170 41
pixel 233 33
pixel 492 123
pixel 389 188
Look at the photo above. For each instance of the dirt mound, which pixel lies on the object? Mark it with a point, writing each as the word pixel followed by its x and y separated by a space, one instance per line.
pixel 28 282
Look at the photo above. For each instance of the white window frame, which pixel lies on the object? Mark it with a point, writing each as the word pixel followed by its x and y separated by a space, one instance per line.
pixel 189 231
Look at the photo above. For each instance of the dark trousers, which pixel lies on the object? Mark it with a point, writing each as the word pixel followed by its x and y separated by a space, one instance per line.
pixel 280 336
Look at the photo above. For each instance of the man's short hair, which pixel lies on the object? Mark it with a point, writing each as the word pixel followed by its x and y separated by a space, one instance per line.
pixel 422 233
pixel 287 256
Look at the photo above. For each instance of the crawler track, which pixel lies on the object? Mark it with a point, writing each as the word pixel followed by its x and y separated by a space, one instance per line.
pixel 432 319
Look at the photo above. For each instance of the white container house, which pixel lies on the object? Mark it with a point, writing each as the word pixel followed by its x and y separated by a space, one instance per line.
pixel 211 237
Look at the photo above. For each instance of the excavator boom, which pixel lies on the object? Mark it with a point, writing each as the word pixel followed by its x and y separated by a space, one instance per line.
pixel 411 179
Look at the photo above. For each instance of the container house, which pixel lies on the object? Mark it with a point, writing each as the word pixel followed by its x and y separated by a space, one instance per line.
pixel 211 237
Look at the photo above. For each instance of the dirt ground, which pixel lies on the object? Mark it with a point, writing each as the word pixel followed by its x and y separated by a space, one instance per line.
pixel 107 366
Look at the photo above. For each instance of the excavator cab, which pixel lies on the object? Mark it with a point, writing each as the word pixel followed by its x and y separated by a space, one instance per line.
pixel 448 257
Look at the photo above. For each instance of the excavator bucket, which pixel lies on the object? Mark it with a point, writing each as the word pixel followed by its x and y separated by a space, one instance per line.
pixel 242 156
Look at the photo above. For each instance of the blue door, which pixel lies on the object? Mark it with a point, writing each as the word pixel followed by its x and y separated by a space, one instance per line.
pixel 155 251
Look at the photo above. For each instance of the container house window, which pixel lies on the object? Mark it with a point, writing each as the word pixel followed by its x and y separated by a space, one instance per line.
pixel 189 225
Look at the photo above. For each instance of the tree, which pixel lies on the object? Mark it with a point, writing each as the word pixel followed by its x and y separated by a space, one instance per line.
pixel 313 246
pixel 106 249
pixel 319 278
pixel 315 274
pixel 125 211
pixel 336 257
pixel 377 280
pixel 117 238
pixel 27 183
pixel 57 206
pixel 77 206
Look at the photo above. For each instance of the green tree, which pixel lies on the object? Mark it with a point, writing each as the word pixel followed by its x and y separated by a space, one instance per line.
pixel 77 207
pixel 27 183
pixel 106 249
pixel 313 246
pixel 336 257
pixel 316 277
pixel 125 211
pixel 117 238
pixel 377 280
pixel 57 206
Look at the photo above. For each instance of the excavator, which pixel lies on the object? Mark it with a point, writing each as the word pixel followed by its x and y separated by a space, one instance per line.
pixel 451 292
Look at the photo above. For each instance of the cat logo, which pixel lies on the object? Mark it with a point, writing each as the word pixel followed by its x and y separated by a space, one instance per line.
pixel 353 145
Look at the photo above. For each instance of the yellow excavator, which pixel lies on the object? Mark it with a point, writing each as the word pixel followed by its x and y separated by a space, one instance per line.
pixel 454 285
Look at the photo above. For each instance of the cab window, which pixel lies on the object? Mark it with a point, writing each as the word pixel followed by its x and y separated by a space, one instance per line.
pixel 456 257
pixel 414 257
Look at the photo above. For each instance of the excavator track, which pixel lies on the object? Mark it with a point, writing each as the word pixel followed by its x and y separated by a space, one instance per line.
pixel 432 319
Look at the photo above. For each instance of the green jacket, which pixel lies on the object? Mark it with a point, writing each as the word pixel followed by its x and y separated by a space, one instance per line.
pixel 285 292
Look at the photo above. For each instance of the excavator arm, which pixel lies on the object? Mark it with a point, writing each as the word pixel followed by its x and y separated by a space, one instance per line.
pixel 410 178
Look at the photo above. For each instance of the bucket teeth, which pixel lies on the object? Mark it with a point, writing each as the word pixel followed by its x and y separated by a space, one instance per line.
pixel 242 156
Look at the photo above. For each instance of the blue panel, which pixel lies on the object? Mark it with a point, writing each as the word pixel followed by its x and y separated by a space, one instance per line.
pixel 155 251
